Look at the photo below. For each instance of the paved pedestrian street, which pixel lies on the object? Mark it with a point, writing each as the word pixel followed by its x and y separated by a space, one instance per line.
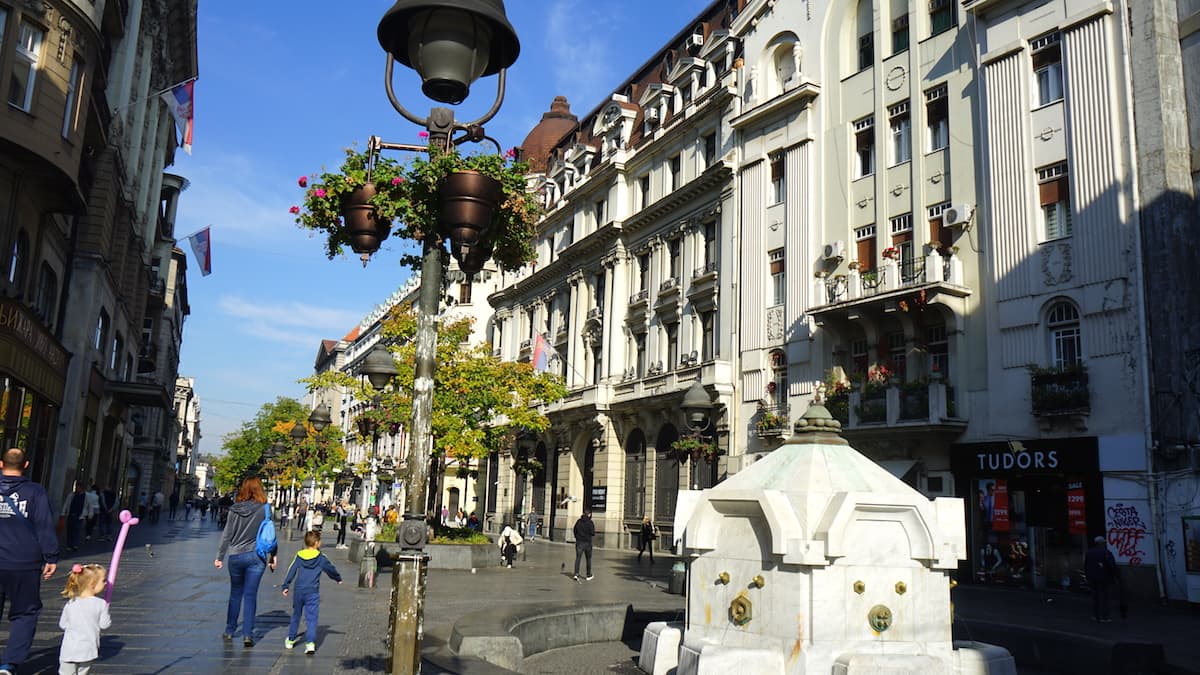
pixel 168 611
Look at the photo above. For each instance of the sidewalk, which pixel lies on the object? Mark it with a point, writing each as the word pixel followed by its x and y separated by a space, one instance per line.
pixel 168 611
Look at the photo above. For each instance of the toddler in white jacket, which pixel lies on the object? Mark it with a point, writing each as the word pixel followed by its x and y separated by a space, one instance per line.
pixel 83 617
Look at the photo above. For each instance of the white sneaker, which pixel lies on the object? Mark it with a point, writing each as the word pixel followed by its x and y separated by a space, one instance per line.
pixel 590 577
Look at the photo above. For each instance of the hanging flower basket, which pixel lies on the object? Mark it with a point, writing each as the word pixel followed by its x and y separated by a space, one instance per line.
pixel 364 228
pixel 423 194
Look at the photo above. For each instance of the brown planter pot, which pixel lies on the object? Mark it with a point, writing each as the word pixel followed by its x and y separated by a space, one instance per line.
pixel 469 201
pixel 363 226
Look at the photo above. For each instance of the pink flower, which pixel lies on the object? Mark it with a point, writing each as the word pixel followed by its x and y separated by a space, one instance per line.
pixel 510 153
pixel 396 180
pixel 319 192
pixel 303 181
pixel 423 134
pixel 294 209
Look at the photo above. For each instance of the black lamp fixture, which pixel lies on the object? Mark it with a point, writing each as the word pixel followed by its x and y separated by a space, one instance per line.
pixel 320 417
pixel 697 407
pixel 450 43
pixel 298 433
pixel 379 367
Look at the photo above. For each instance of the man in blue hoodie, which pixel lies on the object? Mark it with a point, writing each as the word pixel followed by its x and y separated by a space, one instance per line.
pixel 306 569
pixel 28 554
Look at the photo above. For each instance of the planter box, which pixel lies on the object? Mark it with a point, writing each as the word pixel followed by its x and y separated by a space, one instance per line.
pixel 453 556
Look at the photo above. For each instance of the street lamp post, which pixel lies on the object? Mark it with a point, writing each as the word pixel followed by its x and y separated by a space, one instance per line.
pixel 450 43
pixel 379 368
pixel 697 409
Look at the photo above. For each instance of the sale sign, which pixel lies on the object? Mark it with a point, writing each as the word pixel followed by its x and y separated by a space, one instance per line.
pixel 1000 520
pixel 1076 508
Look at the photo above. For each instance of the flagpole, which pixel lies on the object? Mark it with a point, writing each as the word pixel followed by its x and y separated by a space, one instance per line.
pixel 154 95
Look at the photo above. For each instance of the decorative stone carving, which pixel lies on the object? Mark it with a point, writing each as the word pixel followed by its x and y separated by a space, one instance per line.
pixel 775 324
pixel 1056 264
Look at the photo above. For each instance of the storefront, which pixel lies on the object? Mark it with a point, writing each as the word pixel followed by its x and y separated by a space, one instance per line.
pixel 33 368
pixel 1032 508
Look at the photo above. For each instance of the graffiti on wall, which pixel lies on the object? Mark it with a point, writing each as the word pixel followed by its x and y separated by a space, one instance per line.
pixel 1128 533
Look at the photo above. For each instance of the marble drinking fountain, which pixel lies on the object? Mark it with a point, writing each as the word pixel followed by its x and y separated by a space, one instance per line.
pixel 817 560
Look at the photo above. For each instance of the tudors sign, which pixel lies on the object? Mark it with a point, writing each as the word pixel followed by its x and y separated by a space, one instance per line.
pixel 1073 456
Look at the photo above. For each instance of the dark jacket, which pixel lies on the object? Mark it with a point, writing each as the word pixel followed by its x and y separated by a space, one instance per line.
pixel 30 542
pixel 306 569
pixel 584 530
pixel 241 530
pixel 1099 566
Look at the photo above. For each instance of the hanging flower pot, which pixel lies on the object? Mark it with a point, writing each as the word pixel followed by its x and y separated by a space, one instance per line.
pixel 365 230
pixel 468 202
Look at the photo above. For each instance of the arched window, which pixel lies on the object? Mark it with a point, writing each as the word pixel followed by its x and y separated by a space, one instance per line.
pixel 666 475
pixel 635 475
pixel 1062 322
pixel 46 301
pixel 865 34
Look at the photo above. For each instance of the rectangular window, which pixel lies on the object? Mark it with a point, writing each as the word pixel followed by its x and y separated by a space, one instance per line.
pixel 1047 68
pixel 778 184
pixel 643 271
pixel 464 293
pixel 676 171
pixel 100 339
pixel 644 191
pixel 599 286
pixel 897 352
pixel 685 96
pixel 673 251
pixel 71 109
pixel 866 51
pixel 708 342
pixel 672 330
pixel 901 133
pixel 864 238
pixel 639 344
pixel 864 147
pixel 778 276
pixel 941 16
pixel 710 243
pixel 25 64
pixel 858 357
pixel 939 234
pixel 939 351
pixel 937 116
pixel 710 149
pixel 599 212
pixel 900 34
pixel 1054 194
pixel 118 347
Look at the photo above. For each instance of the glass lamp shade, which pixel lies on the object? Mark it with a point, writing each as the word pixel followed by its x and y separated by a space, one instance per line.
pixel 319 417
pixel 379 367
pixel 450 43
pixel 298 432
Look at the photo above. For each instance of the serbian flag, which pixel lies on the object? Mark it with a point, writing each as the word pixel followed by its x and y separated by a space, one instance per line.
pixel 202 249
pixel 543 354
pixel 179 100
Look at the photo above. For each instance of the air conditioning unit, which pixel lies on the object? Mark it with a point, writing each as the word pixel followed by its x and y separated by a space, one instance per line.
pixel 696 40
pixel 834 250
pixel 652 115
pixel 958 215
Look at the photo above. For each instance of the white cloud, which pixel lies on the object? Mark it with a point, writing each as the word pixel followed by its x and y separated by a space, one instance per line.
pixel 291 323
pixel 579 38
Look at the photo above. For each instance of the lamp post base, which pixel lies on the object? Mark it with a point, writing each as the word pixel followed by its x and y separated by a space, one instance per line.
pixel 406 621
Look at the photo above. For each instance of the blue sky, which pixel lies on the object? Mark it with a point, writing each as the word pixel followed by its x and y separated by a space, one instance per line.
pixel 283 88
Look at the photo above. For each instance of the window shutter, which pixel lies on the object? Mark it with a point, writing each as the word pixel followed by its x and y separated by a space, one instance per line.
pixel 866 254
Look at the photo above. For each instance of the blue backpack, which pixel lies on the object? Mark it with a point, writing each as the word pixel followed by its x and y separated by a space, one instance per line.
pixel 266 545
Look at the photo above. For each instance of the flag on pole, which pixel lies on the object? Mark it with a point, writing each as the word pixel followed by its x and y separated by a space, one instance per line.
pixel 202 249
pixel 179 100
pixel 543 354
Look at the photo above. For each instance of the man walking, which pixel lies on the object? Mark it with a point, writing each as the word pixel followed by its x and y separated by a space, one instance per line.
pixel 1101 571
pixel 72 512
pixel 584 530
pixel 28 554
pixel 174 504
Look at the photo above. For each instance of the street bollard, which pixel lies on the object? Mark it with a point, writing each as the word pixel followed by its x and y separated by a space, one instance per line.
pixel 366 567
pixel 678 577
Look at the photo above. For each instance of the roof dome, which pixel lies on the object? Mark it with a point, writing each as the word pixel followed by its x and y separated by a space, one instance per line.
pixel 556 123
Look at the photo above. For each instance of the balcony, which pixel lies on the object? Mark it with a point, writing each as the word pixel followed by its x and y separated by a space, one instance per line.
pixel 897 285
pixel 702 291
pixel 595 313
pixel 1060 394
pixel 668 296
pixel 639 298
pixel 772 421
pixel 917 407
pixel 707 269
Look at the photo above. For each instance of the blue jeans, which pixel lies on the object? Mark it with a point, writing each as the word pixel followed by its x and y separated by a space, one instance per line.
pixel 308 604
pixel 21 589
pixel 245 573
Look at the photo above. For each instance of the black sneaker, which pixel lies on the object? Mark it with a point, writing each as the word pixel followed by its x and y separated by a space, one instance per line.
pixel 247 642
pixel 228 637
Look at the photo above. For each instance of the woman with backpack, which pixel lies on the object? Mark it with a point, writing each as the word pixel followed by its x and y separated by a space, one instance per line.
pixel 239 541
pixel 510 544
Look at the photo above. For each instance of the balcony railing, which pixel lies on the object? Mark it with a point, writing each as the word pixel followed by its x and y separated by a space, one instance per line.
pixel 1060 392
pixel 772 420
pixel 669 284
pixel 639 297
pixel 897 405
pixel 595 313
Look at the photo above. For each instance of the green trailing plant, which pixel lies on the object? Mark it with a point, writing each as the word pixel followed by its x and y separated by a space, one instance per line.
pixel 407 198
pixel 771 421
pixel 685 448
pixel 527 467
